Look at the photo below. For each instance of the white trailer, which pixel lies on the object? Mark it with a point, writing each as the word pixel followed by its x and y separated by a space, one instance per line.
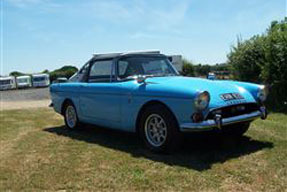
pixel 177 62
pixel 7 83
pixel 24 81
pixel 41 80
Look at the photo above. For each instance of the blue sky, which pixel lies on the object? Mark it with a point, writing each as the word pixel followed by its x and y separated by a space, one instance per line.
pixel 47 34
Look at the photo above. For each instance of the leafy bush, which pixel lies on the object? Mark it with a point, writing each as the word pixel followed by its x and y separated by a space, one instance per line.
pixel 187 68
pixel 263 59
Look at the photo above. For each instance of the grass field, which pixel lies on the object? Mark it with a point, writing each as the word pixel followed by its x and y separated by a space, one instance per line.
pixel 37 153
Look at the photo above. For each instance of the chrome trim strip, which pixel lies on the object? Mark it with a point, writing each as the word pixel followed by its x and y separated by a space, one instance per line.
pixel 210 124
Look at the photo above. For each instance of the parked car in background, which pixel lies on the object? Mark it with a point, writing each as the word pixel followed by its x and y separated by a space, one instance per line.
pixel 7 83
pixel 142 92
pixel 211 76
pixel 60 80
pixel 24 81
pixel 40 80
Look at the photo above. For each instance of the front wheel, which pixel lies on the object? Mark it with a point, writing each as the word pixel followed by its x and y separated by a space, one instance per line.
pixel 159 130
pixel 70 116
pixel 236 129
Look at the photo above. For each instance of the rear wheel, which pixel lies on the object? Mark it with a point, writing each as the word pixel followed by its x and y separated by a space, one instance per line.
pixel 159 130
pixel 70 116
pixel 236 129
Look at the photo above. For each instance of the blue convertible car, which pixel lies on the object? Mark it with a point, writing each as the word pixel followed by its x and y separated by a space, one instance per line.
pixel 142 92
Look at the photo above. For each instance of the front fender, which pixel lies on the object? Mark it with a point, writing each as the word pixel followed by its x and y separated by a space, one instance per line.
pixel 181 109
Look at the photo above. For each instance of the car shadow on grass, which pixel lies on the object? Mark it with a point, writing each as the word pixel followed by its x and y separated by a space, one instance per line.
pixel 199 151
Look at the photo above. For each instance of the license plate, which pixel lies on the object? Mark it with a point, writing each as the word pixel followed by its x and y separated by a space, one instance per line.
pixel 231 96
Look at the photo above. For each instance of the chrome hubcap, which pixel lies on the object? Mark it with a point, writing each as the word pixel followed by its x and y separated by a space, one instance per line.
pixel 71 116
pixel 155 130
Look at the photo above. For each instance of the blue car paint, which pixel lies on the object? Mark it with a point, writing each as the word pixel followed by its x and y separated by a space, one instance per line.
pixel 117 104
pixel 251 87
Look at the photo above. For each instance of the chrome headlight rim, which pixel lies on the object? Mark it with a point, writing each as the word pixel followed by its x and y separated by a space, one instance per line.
pixel 201 101
pixel 262 93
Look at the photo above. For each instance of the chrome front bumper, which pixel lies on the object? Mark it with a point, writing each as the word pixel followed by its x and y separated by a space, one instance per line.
pixel 218 121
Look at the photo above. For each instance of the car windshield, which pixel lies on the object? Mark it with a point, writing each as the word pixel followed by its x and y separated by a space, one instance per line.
pixel 145 66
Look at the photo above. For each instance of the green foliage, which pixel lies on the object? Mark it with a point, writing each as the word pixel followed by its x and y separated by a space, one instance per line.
pixel 202 70
pixel 219 67
pixel 45 71
pixel 17 73
pixel 66 71
pixel 187 68
pixel 263 58
pixel 247 58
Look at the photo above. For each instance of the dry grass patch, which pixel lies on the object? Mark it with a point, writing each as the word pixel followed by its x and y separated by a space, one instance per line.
pixel 38 153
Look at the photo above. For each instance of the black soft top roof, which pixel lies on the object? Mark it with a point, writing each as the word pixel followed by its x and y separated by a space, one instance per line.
pixel 118 55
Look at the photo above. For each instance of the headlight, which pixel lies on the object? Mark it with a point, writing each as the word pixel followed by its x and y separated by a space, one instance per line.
pixel 201 101
pixel 262 93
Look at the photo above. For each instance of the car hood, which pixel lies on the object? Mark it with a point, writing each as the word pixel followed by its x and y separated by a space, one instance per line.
pixel 189 87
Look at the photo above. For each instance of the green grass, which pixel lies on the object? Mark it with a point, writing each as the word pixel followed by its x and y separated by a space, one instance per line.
pixel 38 153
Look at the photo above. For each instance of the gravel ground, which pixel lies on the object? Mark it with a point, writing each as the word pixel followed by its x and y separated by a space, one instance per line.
pixel 25 94
pixel 8 105
pixel 24 98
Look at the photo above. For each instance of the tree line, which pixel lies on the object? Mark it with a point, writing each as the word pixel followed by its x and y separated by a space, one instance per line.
pixel 202 70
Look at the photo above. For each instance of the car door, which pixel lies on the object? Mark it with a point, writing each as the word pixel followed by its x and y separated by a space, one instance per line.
pixel 100 96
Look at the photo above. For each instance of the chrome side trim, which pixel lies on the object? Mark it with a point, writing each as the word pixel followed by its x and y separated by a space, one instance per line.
pixel 210 124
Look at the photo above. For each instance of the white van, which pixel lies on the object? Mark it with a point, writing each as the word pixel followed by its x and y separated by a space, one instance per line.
pixel 41 80
pixel 7 83
pixel 24 81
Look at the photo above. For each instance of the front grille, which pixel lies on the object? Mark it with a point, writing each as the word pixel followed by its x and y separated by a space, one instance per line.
pixel 233 110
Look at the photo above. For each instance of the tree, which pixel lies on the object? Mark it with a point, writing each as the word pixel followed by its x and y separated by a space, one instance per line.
pixel 187 68
pixel 66 71
pixel 45 71
pixel 247 58
pixel 17 73
pixel 202 70
pixel 263 59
